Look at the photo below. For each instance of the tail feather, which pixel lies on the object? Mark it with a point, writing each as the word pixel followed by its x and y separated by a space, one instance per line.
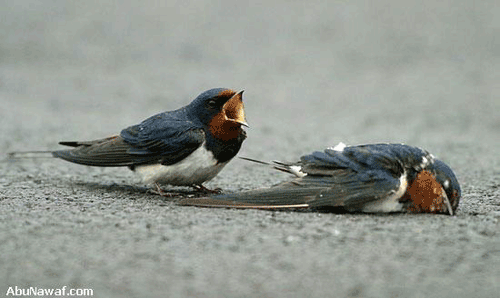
pixel 29 154
pixel 71 144
pixel 289 168
pixel 270 198
pixel 256 161
pixel 108 152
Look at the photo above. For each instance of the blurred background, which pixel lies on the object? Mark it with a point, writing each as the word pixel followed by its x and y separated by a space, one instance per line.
pixel 356 71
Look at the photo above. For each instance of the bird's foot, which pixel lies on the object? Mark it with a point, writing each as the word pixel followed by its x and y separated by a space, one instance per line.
pixel 207 190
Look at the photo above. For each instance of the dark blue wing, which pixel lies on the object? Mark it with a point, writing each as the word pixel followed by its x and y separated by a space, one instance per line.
pixel 343 188
pixel 166 136
pixel 385 157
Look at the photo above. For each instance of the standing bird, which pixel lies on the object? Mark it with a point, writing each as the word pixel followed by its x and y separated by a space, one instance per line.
pixel 367 178
pixel 185 147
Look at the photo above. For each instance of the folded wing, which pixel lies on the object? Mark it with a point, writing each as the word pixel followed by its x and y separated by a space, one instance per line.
pixel 159 139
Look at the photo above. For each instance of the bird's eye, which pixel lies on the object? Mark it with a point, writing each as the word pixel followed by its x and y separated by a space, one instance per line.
pixel 212 103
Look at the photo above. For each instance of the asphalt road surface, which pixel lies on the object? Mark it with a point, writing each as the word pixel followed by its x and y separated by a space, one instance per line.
pixel 425 73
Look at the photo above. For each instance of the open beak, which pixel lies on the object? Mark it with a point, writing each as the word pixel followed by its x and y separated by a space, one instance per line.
pixel 234 110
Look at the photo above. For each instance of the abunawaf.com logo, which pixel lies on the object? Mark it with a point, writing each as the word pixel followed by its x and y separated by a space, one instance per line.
pixel 36 291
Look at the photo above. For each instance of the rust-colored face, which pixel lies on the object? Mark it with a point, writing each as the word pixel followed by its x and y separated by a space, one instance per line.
pixel 227 123
pixel 426 195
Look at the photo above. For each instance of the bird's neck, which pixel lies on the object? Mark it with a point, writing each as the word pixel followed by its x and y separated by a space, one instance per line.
pixel 222 150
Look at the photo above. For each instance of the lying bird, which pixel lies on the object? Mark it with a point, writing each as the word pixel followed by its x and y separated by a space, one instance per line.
pixel 185 147
pixel 367 178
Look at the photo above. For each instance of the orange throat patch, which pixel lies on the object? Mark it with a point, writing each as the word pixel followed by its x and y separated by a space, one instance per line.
pixel 224 129
pixel 425 194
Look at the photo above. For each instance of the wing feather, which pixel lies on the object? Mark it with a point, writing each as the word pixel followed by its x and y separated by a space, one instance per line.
pixel 345 189
pixel 161 139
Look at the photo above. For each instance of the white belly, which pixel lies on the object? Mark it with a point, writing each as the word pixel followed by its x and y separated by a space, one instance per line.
pixel 391 203
pixel 198 167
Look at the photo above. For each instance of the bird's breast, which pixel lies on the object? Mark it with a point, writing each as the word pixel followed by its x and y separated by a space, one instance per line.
pixel 198 167
pixel 391 203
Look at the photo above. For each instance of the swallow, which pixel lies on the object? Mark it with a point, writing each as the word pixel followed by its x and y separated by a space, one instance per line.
pixel 184 147
pixel 372 178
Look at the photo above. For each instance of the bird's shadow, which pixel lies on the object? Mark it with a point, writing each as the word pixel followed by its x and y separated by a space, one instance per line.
pixel 176 194
pixel 180 193
pixel 168 193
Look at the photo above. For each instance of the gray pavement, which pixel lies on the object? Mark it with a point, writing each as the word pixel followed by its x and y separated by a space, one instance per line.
pixel 315 73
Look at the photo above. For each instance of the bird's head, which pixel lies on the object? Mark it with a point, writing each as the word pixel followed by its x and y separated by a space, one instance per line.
pixel 221 110
pixel 447 179
pixel 435 189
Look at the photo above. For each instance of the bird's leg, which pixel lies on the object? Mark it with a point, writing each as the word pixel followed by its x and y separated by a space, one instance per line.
pixel 207 190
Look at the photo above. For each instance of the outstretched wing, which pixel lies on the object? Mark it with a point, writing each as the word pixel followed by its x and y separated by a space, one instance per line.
pixel 343 188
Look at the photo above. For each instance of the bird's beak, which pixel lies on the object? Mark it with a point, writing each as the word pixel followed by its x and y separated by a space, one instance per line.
pixel 234 109
pixel 447 203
